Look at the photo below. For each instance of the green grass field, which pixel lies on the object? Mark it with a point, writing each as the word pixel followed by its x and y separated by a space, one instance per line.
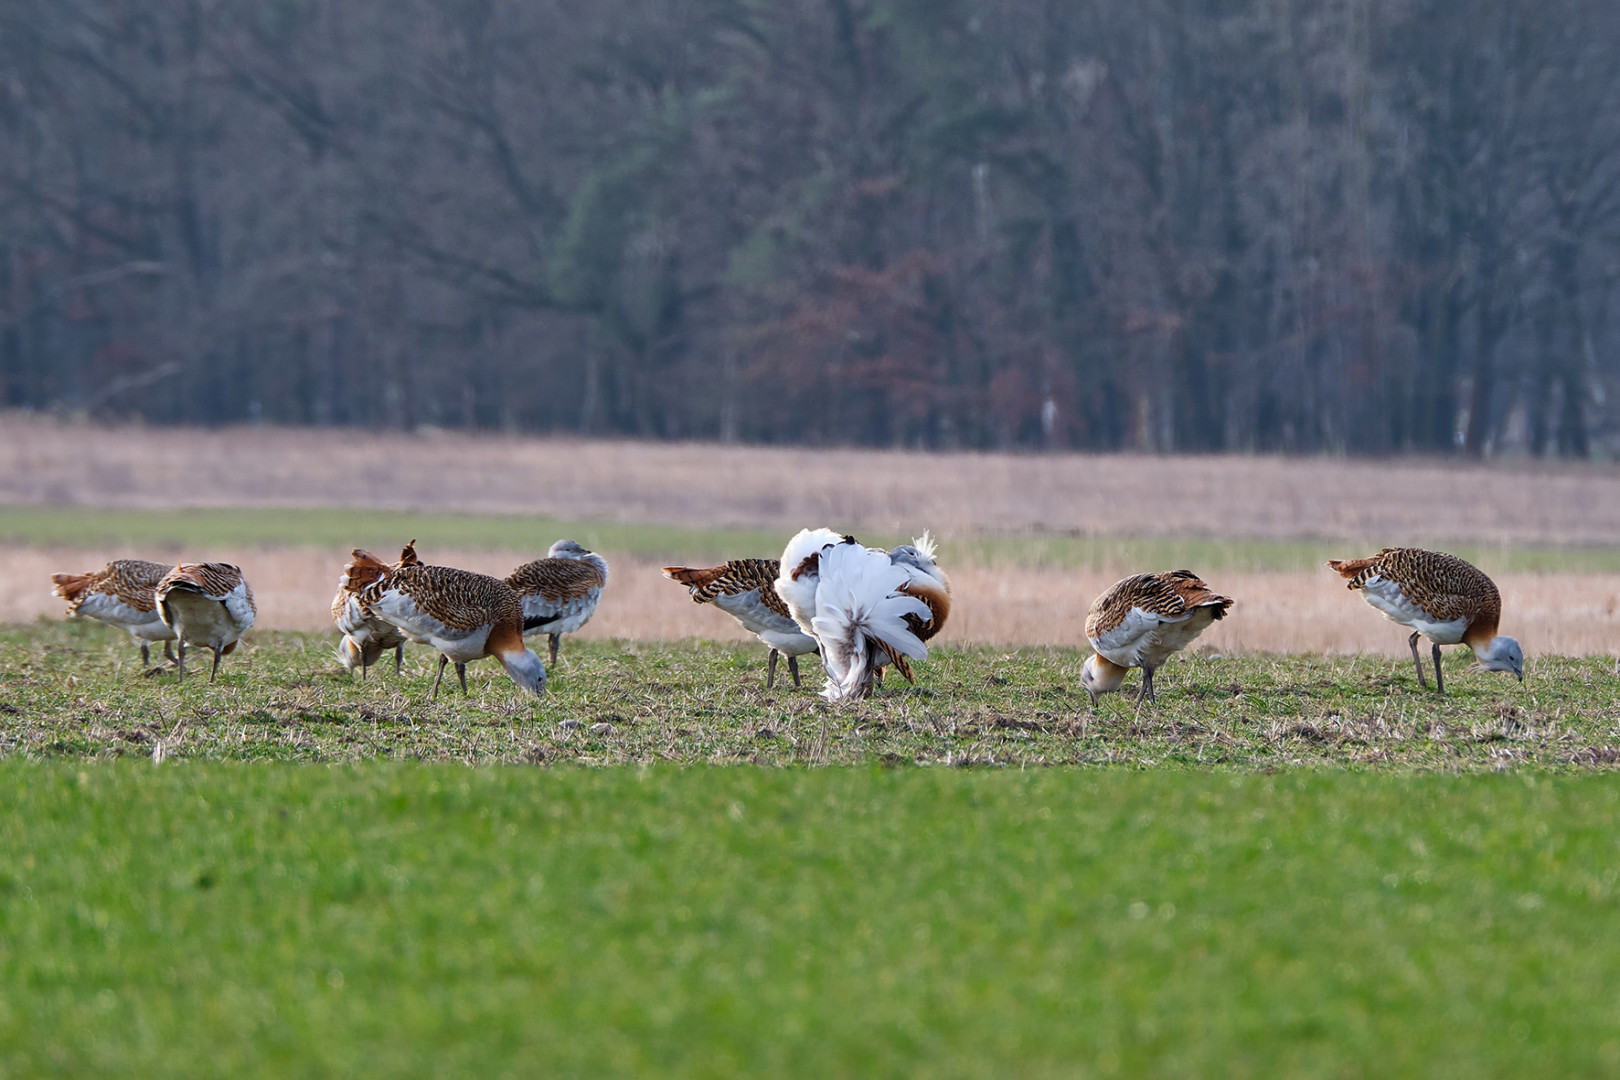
pixel 385 531
pixel 1295 866
pixel 74 689
pixel 241 920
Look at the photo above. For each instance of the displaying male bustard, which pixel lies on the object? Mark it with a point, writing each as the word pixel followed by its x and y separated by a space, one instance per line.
pixel 120 594
pixel 928 583
pixel 745 589
pixel 1139 622
pixel 852 599
pixel 1442 598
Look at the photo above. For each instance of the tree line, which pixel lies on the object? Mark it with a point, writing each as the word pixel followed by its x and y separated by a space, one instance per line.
pixel 1358 226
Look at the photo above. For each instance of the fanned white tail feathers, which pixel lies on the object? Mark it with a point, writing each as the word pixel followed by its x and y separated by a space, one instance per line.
pixel 796 585
pixel 857 604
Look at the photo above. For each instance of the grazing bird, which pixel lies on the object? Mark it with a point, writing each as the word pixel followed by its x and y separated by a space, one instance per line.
pixel 365 638
pixel 745 589
pixel 1139 622
pixel 560 592
pixel 463 615
pixel 852 600
pixel 207 604
pixel 927 583
pixel 1440 597
pixel 120 594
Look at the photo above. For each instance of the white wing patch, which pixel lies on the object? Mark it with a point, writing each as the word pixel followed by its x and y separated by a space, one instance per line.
pixel 563 618
pixel 1386 596
pixel 1143 639
pixel 239 605
pixel 1125 642
pixel 771 627
pixel 146 625
pixel 397 607
pixel 748 609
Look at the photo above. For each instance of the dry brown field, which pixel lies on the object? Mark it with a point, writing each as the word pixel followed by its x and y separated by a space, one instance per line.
pixel 1363 503
pixel 1559 614
pixel 700 484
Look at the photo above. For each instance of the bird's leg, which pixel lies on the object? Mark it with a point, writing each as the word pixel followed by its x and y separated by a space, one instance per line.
pixel 555 640
pixel 1412 641
pixel 1439 680
pixel 1147 685
pixel 770 671
pixel 168 653
pixel 182 659
pixel 443 660
pixel 793 667
pixel 215 670
pixel 399 656
pixel 461 673
pixel 365 668
pixel 146 655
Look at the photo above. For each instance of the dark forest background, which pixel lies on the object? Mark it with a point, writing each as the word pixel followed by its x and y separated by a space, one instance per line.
pixel 1365 226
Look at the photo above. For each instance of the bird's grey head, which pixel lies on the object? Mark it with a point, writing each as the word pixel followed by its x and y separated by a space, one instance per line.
pixel 919 553
pixel 526 670
pixel 1504 654
pixel 1088 679
pixel 910 556
pixel 567 549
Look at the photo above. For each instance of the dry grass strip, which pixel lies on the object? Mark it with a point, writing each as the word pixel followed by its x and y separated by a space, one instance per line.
pixel 1561 614
pixel 1365 502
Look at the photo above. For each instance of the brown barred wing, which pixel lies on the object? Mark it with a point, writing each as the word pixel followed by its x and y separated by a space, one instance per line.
pixel 556 580
pixel 130 581
pixel 733 578
pixel 460 599
pixel 1154 593
pixel 1443 585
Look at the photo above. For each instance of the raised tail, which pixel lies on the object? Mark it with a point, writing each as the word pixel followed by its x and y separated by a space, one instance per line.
pixel 71 587
pixel 1350 569
pixel 361 570
pixel 1194 593
pixel 860 618
pixel 694 577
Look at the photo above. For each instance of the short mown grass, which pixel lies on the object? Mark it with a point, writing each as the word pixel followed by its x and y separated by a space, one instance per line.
pixel 193 919
pixel 74 689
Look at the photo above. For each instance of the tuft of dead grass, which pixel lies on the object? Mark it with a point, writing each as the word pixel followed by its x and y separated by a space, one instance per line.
pixel 1371 502
pixel 1285 612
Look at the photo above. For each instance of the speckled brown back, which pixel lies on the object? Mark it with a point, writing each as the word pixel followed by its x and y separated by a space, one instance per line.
pixel 731 579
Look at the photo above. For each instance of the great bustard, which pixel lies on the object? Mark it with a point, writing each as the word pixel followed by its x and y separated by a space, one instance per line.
pixel 1440 597
pixel 852 600
pixel 928 583
pixel 366 637
pixel 559 592
pixel 120 594
pixel 465 616
pixel 1139 621
pixel 745 589
pixel 207 604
